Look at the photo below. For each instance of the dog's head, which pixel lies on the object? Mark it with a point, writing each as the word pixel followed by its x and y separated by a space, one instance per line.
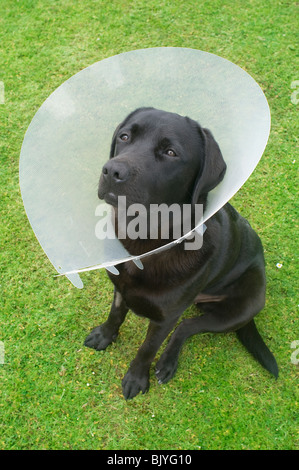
pixel 160 157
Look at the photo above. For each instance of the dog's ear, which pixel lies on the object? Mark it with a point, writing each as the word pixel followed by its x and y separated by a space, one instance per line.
pixel 213 168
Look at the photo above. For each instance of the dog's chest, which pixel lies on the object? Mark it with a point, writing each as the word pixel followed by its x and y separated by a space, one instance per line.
pixel 140 295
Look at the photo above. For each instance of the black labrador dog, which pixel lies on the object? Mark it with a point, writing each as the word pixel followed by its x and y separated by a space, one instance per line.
pixel 160 157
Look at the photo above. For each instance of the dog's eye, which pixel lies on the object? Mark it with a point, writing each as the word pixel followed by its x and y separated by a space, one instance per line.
pixel 170 153
pixel 124 137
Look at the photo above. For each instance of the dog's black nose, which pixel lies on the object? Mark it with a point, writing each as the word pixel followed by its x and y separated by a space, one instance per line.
pixel 117 171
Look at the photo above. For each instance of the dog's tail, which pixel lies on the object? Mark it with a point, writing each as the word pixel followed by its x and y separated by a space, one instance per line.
pixel 253 342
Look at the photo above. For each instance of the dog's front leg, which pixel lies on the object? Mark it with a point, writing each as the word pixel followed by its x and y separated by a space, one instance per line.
pixel 137 378
pixel 103 335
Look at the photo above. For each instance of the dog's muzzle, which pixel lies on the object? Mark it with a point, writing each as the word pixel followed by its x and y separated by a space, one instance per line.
pixel 114 173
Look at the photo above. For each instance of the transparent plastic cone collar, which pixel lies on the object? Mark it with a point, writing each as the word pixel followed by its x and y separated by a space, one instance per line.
pixel 69 138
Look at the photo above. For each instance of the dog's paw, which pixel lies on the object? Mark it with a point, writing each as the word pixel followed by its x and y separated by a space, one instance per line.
pixel 166 368
pixel 132 384
pixel 98 340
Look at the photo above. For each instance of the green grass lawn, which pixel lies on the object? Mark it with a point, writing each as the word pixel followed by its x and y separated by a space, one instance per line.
pixel 54 392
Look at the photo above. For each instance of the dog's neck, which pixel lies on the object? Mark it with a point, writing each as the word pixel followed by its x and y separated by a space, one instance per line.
pixel 137 246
